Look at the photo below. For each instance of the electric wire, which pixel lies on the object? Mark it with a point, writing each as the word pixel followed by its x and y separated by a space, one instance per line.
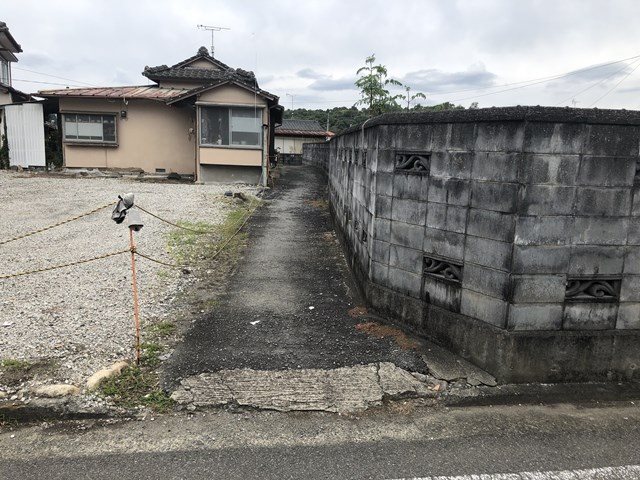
pixel 615 86
pixel 595 84
pixel 52 76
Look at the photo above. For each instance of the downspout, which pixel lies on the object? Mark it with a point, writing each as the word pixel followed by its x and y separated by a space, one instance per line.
pixel 196 140
pixel 265 146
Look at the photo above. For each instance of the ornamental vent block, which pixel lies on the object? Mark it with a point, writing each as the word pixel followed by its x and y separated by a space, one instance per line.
pixel 442 268
pixel 593 289
pixel 413 162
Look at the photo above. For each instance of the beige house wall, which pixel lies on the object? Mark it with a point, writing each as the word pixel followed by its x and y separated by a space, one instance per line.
pixel 230 156
pixel 5 98
pixel 153 136
pixel 294 144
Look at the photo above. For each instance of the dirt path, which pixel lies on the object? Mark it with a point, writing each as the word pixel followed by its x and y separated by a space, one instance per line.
pixel 290 303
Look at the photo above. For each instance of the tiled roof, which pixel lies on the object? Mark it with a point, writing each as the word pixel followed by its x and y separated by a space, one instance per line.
pixel 149 92
pixel 182 71
pixel 295 127
pixel 8 44
pixel 203 74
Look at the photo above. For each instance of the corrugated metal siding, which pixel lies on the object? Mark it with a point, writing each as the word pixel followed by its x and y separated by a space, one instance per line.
pixel 25 134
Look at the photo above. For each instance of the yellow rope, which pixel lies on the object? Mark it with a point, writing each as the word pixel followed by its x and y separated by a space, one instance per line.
pixel 171 223
pixel 215 255
pixel 25 235
pixel 54 267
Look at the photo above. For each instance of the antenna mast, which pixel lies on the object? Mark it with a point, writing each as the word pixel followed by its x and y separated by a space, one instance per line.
pixel 212 29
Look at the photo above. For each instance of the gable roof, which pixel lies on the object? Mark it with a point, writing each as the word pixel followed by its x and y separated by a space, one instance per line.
pixel 226 81
pixel 294 127
pixel 182 71
pixel 8 44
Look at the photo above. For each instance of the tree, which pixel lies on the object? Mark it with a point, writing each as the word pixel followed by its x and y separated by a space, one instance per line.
pixel 373 83
pixel 410 98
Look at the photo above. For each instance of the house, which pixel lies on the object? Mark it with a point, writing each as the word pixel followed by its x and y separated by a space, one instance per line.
pixel 21 119
pixel 292 134
pixel 200 118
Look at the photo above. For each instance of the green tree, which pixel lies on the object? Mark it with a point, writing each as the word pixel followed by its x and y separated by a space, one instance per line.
pixel 410 98
pixel 373 84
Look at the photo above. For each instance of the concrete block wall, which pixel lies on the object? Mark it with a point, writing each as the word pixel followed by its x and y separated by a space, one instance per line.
pixel 316 154
pixel 524 220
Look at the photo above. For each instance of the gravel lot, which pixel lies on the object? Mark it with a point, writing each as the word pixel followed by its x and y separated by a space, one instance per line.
pixel 81 317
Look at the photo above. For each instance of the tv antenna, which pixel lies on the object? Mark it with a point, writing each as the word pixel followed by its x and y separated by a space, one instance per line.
pixel 213 29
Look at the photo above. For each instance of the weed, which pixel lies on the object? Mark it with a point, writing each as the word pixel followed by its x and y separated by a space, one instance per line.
pixel 164 328
pixel 13 371
pixel 151 354
pixel 14 366
pixel 191 247
pixel 136 386
pixel 163 274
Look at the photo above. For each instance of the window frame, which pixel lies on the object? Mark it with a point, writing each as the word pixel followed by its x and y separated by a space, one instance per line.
pixel 5 64
pixel 91 142
pixel 230 107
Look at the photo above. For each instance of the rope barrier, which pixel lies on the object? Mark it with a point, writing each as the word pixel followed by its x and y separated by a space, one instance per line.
pixel 111 254
pixel 49 227
pixel 171 223
pixel 176 224
pixel 63 265
pixel 215 255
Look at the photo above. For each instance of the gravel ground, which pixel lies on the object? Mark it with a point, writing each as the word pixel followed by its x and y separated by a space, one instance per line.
pixel 81 317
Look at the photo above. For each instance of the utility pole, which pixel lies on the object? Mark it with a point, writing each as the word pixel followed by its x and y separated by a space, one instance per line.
pixel 289 95
pixel 212 29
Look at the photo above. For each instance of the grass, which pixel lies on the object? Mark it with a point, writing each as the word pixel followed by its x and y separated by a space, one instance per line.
pixel 190 248
pixel 15 366
pixel 13 371
pixel 162 329
pixel 137 385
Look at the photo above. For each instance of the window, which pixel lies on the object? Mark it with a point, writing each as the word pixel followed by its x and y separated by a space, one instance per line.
pixel 4 72
pixel 91 128
pixel 231 126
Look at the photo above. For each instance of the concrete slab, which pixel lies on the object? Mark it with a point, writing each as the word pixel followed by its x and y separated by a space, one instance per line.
pixel 444 365
pixel 340 390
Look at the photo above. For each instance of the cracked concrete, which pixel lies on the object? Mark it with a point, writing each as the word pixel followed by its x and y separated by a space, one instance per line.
pixel 340 390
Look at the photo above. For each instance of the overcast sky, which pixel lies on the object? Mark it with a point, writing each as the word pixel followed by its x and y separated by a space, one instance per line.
pixel 460 51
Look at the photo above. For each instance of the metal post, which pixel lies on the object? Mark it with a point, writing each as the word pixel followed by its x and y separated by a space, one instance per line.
pixel 134 286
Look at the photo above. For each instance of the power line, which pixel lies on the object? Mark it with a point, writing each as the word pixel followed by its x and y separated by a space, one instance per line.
pixel 522 83
pixel 548 79
pixel 46 83
pixel 595 84
pixel 52 76
pixel 616 85
pixel 551 77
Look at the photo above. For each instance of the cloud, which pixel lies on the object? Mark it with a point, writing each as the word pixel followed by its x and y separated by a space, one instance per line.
pixel 311 74
pixel 434 80
pixel 333 84
pixel 600 72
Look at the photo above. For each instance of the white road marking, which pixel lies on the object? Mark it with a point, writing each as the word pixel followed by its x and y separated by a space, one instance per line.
pixel 627 472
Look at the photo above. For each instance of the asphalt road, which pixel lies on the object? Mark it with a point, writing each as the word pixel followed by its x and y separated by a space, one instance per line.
pixel 287 306
pixel 391 443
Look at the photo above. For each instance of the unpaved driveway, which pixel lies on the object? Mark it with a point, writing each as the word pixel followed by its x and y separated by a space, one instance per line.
pixel 79 319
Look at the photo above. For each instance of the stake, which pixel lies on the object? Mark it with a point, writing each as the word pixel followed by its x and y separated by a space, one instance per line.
pixel 134 286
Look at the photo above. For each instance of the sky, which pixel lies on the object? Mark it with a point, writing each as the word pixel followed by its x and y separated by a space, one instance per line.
pixel 494 52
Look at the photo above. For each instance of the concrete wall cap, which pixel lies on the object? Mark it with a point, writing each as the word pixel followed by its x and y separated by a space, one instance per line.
pixel 503 114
